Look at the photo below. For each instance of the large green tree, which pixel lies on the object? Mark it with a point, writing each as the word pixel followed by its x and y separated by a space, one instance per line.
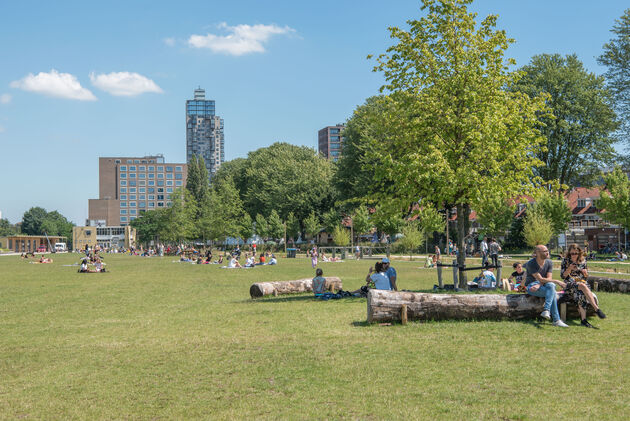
pixel 149 225
pixel 459 131
pixel 616 57
pixel 197 179
pixel 615 199
pixel 361 222
pixel 579 133
pixel 284 177
pixel 353 179
pixel 495 215
pixel 227 216
pixel 293 226
pixel 275 225
pixel 180 221
pixel 6 228
pixel 555 208
pixel 32 221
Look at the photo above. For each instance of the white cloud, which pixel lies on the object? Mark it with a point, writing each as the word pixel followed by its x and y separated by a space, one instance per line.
pixel 1 129
pixel 169 42
pixel 5 98
pixel 124 83
pixel 61 85
pixel 241 39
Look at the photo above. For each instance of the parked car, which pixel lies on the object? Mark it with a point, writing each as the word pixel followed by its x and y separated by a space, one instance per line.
pixel 41 249
pixel 60 247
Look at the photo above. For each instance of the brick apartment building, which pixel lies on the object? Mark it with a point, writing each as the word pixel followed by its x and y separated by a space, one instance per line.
pixel 130 186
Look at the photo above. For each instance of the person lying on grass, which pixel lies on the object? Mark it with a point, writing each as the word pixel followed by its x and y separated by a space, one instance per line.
pixel 574 272
pixel 45 260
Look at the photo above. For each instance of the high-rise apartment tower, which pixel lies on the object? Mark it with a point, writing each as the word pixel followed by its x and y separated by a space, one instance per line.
pixel 330 141
pixel 204 132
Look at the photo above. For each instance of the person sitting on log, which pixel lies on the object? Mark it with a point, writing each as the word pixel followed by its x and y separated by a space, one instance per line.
pixel 539 283
pixel 574 272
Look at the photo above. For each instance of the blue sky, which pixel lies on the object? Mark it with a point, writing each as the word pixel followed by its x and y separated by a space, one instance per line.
pixel 79 80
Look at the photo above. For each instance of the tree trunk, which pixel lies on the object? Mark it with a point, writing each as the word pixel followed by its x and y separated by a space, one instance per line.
pixel 291 287
pixel 609 284
pixel 385 306
pixel 463 212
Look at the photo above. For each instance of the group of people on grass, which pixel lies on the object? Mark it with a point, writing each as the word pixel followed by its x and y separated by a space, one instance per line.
pixel 381 276
pixel 42 259
pixel 535 278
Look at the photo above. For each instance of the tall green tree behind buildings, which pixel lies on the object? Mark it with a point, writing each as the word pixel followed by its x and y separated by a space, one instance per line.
pixel 458 132
pixel 616 57
pixel 579 134
pixel 197 179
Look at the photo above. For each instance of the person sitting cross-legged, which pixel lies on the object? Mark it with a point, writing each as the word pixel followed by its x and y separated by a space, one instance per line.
pixel 575 272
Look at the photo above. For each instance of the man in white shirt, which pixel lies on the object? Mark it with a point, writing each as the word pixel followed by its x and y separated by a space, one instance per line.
pixel 484 251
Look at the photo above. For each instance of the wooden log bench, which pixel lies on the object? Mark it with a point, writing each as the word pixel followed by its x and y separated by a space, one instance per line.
pixel 598 283
pixel 261 289
pixel 388 306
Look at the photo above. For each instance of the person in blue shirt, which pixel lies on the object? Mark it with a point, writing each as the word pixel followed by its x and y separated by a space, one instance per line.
pixel 390 272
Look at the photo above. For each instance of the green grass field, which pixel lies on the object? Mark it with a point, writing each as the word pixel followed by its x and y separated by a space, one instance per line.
pixel 153 339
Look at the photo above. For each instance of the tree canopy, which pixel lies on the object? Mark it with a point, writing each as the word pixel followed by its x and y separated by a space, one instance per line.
pixel 578 135
pixel 282 177
pixel 616 57
pixel 457 132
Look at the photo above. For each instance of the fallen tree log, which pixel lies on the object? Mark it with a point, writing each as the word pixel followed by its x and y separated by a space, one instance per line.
pixel 387 306
pixel 260 289
pixel 609 284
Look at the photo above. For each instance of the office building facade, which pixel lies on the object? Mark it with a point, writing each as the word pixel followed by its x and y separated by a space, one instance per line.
pixel 204 132
pixel 130 186
pixel 330 141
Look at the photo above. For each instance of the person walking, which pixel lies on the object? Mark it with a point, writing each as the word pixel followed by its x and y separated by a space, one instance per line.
pixel 493 249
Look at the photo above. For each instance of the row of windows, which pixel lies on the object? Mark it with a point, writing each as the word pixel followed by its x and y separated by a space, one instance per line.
pixel 110 231
pixel 142 197
pixel 137 161
pixel 150 168
pixel 132 183
pixel 124 219
pixel 144 205
pixel 145 190
pixel 178 176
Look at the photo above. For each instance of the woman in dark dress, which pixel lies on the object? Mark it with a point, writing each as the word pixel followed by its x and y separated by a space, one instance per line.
pixel 575 272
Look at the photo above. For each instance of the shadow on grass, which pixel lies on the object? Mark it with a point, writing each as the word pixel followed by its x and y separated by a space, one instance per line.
pixel 534 323
pixel 294 298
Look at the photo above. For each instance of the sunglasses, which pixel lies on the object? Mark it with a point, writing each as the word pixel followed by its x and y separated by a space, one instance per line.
pixel 574 253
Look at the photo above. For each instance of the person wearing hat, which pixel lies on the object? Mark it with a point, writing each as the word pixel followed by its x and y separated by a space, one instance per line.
pixel 390 272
